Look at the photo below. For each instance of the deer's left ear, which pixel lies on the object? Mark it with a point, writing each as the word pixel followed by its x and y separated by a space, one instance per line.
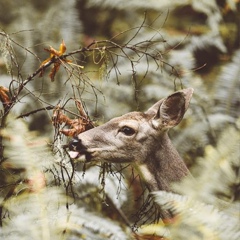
pixel 169 111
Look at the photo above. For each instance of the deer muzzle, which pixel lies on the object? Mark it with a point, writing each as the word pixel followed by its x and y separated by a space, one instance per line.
pixel 78 151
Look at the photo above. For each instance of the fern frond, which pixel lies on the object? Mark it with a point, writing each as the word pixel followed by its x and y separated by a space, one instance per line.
pixel 219 165
pixel 32 209
pixel 112 184
pixel 195 220
pixel 45 216
pixel 209 8
pixel 209 206
pixel 228 88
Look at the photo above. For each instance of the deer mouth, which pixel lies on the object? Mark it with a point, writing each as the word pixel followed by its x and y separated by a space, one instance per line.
pixel 74 154
pixel 78 151
pixel 77 155
pixel 80 156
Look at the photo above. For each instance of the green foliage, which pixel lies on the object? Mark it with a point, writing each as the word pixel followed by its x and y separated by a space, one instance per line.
pixel 196 219
pixel 227 89
pixel 36 209
pixel 145 56
pixel 208 207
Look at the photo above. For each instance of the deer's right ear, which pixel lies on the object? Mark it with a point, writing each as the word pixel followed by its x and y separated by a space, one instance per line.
pixel 169 111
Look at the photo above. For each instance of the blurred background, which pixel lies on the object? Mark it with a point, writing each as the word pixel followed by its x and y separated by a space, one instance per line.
pixel 198 43
pixel 170 45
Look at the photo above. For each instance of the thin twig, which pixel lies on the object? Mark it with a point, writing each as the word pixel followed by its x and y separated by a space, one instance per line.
pixel 35 111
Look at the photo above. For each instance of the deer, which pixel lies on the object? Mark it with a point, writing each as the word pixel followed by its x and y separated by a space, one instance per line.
pixel 140 138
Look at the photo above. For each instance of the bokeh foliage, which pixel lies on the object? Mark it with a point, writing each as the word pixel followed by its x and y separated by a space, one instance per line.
pixel 133 54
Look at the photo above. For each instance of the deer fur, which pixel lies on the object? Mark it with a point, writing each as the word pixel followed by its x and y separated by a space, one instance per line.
pixel 141 139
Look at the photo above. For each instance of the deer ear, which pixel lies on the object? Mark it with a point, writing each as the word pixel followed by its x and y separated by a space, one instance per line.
pixel 169 111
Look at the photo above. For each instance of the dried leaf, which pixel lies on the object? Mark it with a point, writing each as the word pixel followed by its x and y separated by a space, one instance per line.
pixel 59 118
pixel 76 126
pixel 54 70
pixel 62 48
pixel 54 54
pixel 81 109
pixel 4 97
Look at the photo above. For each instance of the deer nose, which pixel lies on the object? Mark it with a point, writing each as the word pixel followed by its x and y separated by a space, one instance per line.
pixel 74 144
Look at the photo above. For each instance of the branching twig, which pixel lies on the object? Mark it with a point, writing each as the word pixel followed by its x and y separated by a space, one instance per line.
pixel 108 52
pixel 35 111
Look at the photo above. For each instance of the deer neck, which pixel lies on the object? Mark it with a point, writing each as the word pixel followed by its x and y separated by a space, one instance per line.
pixel 164 167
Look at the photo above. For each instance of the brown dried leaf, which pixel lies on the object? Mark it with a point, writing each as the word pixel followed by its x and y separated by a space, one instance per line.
pixel 54 70
pixel 81 109
pixel 55 54
pixel 62 48
pixel 4 98
pixel 59 118
pixel 76 126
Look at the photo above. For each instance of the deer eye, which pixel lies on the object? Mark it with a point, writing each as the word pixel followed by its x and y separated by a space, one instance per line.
pixel 127 131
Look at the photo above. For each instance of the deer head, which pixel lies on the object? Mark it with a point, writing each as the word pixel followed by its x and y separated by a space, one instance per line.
pixel 140 138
